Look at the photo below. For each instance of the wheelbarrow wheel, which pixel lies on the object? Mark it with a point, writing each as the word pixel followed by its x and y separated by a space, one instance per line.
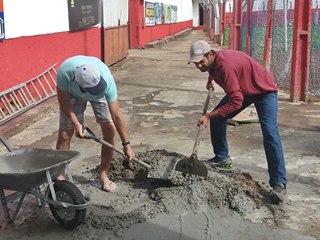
pixel 69 193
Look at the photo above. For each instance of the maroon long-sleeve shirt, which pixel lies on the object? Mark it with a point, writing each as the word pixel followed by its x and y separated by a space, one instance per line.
pixel 240 75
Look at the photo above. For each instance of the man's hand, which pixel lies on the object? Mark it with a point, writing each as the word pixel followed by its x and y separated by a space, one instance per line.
pixel 80 131
pixel 203 121
pixel 210 83
pixel 128 152
pixel 67 109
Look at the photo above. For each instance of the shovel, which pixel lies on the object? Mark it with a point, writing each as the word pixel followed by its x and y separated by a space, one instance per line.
pixel 99 140
pixel 192 165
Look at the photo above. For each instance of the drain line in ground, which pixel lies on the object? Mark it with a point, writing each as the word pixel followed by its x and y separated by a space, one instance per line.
pixel 207 230
pixel 181 228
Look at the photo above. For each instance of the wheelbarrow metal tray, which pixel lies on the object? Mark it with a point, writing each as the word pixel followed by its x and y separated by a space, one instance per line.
pixel 26 168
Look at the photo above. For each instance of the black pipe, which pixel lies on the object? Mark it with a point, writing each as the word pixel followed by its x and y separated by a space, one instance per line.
pixel 102 31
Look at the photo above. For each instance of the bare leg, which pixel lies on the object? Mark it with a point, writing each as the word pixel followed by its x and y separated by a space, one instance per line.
pixel 108 132
pixel 63 143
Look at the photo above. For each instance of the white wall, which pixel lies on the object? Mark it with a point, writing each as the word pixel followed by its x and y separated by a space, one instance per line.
pixel 115 11
pixel 196 12
pixel 35 17
pixel 229 6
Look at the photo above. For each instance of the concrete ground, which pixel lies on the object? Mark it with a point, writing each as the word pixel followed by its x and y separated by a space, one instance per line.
pixel 162 98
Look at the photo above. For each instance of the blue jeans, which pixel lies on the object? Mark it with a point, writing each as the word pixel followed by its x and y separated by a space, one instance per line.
pixel 267 109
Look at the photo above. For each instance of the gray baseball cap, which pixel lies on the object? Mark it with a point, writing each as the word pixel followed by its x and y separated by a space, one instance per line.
pixel 198 49
pixel 90 79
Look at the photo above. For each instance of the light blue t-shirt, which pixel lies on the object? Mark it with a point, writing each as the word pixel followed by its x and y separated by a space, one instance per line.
pixel 65 78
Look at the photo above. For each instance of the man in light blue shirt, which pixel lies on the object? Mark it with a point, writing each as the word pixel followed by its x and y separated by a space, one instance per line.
pixel 81 79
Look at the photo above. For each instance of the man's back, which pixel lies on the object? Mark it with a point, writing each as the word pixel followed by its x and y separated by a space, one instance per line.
pixel 234 70
pixel 65 77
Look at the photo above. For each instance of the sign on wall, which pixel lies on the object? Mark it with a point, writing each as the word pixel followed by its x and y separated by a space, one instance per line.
pixel 83 14
pixel 160 13
pixel 167 13
pixel 174 13
pixel 159 17
pixel 1 21
pixel 149 14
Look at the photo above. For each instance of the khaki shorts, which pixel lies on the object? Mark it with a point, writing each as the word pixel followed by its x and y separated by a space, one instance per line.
pixel 100 109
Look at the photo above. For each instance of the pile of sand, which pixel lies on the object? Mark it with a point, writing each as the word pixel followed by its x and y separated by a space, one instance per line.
pixel 140 198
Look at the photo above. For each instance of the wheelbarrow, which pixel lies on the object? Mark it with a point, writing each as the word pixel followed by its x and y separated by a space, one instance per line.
pixel 23 171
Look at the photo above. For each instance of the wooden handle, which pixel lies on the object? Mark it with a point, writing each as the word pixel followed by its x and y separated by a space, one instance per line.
pixel 205 109
pixel 147 166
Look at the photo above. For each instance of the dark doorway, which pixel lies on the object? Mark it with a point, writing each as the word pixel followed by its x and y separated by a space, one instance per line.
pixel 200 14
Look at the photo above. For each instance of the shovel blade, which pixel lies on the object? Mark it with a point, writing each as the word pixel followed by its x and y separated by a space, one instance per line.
pixel 192 166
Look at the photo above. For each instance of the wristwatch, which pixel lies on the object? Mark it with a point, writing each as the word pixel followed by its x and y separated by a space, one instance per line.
pixel 125 143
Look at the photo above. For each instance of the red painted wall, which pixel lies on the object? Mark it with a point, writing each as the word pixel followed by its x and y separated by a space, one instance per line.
pixel 140 34
pixel 152 33
pixel 26 57
pixel 228 19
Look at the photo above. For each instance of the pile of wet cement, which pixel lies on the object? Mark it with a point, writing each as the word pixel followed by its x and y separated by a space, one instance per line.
pixel 140 198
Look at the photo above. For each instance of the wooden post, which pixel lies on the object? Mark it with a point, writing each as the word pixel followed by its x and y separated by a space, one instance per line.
pixel 235 30
pixel 268 38
pixel 300 65
pixel 222 6
pixel 248 23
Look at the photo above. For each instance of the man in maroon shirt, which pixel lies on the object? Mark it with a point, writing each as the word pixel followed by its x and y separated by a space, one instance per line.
pixel 245 82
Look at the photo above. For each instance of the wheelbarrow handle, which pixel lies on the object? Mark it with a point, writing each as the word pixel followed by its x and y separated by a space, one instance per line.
pixel 99 140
